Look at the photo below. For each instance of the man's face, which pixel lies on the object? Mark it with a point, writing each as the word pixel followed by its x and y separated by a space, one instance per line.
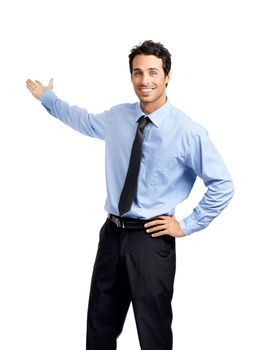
pixel 149 82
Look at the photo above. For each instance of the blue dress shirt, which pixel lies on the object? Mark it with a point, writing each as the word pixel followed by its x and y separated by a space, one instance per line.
pixel 175 151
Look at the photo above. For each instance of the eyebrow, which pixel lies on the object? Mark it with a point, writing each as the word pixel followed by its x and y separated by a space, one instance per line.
pixel 139 69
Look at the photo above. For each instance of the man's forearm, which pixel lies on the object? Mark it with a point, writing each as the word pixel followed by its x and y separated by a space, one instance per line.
pixel 77 118
pixel 216 199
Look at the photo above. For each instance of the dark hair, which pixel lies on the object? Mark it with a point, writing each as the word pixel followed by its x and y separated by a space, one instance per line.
pixel 149 47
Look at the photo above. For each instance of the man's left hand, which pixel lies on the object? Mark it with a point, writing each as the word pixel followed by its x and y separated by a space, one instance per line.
pixel 164 225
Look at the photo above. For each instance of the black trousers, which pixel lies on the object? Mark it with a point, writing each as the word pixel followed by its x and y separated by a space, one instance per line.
pixel 131 266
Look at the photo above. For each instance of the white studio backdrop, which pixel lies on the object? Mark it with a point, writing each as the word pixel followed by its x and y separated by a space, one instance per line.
pixel 52 183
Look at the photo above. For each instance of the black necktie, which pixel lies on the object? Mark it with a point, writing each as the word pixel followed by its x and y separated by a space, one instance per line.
pixel 129 187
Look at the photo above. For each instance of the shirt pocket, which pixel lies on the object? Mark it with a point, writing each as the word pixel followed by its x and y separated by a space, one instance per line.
pixel 161 170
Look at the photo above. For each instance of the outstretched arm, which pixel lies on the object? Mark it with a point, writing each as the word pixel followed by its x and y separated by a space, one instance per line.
pixel 94 125
pixel 37 88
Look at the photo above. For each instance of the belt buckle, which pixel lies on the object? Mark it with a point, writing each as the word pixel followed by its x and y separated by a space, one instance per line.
pixel 119 223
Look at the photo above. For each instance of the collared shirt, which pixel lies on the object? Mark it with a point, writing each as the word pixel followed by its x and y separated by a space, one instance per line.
pixel 175 151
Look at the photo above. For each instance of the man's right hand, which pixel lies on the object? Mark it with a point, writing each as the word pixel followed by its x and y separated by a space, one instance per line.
pixel 37 88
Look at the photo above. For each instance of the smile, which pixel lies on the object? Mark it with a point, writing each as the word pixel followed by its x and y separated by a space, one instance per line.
pixel 147 89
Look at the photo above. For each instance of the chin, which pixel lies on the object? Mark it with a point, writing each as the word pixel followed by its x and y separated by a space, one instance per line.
pixel 146 99
pixel 147 102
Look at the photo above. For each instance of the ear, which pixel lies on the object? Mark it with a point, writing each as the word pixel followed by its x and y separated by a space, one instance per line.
pixel 168 78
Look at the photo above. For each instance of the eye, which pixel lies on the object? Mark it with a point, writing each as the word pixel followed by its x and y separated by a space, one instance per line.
pixel 153 72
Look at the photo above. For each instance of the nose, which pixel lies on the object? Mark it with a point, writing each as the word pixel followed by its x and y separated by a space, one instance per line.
pixel 145 79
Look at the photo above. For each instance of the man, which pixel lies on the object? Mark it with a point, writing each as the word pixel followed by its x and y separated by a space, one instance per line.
pixel 154 152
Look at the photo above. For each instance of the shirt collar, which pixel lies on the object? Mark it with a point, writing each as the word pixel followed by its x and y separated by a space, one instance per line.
pixel 157 117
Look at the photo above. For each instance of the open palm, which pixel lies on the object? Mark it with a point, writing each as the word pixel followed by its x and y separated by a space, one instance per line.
pixel 37 88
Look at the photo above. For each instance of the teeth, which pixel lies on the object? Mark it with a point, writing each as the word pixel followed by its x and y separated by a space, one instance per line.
pixel 146 90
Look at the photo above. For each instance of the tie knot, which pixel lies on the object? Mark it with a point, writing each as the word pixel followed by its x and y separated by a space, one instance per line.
pixel 143 122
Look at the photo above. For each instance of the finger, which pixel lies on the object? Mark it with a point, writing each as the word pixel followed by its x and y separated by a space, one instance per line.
pixel 29 82
pixel 156 228
pixel 159 234
pixel 31 85
pixel 153 223
pixel 165 217
pixel 39 83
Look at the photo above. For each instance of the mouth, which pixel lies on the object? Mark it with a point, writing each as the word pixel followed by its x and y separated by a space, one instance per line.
pixel 146 90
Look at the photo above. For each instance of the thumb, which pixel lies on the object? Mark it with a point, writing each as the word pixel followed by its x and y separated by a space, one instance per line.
pixel 51 83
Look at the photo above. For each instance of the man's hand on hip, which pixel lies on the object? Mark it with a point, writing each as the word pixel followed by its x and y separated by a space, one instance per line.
pixel 164 225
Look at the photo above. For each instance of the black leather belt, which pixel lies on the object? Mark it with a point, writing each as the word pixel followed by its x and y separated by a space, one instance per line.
pixel 127 222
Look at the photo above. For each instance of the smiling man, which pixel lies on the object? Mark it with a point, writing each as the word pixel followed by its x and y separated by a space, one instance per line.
pixel 149 82
pixel 154 152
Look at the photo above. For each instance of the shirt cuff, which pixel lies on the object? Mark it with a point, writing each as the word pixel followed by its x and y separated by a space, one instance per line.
pixel 188 225
pixel 47 99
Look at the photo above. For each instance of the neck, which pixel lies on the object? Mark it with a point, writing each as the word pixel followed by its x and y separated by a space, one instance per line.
pixel 150 107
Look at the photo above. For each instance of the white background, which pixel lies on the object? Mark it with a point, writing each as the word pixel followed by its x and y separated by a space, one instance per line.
pixel 52 187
